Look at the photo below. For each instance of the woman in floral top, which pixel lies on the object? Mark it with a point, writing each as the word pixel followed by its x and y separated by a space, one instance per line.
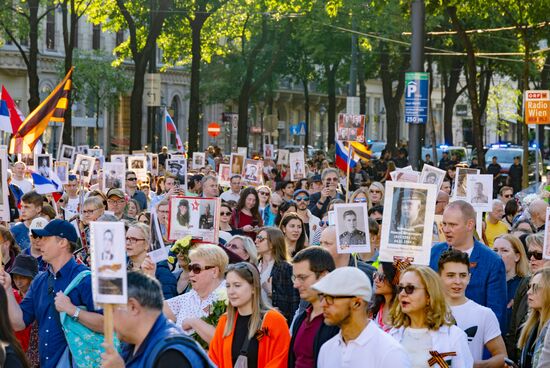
pixel 206 272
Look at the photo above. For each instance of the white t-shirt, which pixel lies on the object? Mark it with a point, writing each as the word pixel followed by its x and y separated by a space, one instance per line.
pixel 25 185
pixel 72 204
pixel 417 343
pixel 372 348
pixel 479 323
pixel 228 195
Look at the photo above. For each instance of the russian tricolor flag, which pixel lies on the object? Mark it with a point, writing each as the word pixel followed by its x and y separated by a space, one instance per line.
pixel 10 116
pixel 171 127
pixel 343 157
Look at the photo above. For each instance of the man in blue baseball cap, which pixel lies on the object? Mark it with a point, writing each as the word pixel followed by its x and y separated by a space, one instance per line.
pixel 45 299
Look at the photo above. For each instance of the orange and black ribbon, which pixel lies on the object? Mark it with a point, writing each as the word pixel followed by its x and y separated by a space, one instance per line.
pixel 439 358
pixel 400 264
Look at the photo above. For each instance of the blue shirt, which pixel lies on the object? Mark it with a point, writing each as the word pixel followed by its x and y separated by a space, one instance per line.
pixel 42 266
pixel 140 197
pixel 38 305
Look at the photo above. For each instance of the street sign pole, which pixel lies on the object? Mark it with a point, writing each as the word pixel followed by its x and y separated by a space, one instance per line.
pixel 417 65
pixel 536 110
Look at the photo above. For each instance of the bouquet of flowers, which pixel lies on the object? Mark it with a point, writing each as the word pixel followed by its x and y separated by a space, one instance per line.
pixel 215 312
pixel 182 248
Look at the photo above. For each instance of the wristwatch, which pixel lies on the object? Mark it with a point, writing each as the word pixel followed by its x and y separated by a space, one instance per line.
pixel 76 314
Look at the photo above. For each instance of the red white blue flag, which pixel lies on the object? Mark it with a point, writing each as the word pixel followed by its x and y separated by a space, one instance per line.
pixel 171 127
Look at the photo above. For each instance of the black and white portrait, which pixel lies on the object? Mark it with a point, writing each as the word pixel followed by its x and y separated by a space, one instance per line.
pixel 432 175
pixel 138 164
pixel 44 165
pixel 67 153
pixel 95 152
pixel 268 151
pixel 108 244
pixel 406 176
pixel 114 176
pixel 199 160
pixel 282 157
pixel 480 191
pixel 62 170
pixel 120 158
pixel 352 231
pixel 297 166
pixel 407 223
pixel 83 149
pixel 253 171
pixel 460 189
pixel 83 166
pixel 178 167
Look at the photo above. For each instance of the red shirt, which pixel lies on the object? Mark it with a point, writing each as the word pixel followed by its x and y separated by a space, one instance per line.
pixel 241 219
pixel 23 336
pixel 303 343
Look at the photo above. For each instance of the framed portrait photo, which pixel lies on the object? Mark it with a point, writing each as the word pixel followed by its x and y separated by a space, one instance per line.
pixel 253 171
pixel 199 160
pixel 282 157
pixel 120 158
pixel 405 176
pixel 352 228
pixel 407 223
pixel 138 164
pixel 432 175
pixel 546 247
pixel 224 175
pixel 479 192
pixel 84 167
pixel 67 154
pixel 44 165
pixel 194 216
pixel 114 176
pixel 297 166
pixel 178 168
pixel 237 163
pixel 460 186
pixel 268 152
pixel 61 169
pixel 108 258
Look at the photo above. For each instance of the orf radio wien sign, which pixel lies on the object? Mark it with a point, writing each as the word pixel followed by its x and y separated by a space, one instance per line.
pixel 537 107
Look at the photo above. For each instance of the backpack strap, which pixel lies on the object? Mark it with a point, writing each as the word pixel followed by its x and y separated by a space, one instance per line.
pixel 183 344
pixel 74 283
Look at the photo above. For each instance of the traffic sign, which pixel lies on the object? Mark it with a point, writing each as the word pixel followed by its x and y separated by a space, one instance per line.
pixel 151 92
pixel 537 107
pixel 302 128
pixel 214 129
pixel 416 97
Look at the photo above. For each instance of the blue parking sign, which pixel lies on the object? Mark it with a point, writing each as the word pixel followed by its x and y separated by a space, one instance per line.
pixel 416 97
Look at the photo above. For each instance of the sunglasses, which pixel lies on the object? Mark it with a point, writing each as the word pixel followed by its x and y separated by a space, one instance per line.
pixel 260 238
pixel 232 246
pixel 299 199
pixel 263 193
pixel 131 179
pixel 360 200
pixel 379 276
pixel 329 299
pixel 379 221
pixel 274 205
pixel 196 268
pixel 409 289
pixel 534 288
pixel 225 213
pixel 536 255
pixel 323 223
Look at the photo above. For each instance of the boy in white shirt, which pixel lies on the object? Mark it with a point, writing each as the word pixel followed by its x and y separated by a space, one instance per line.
pixel 480 323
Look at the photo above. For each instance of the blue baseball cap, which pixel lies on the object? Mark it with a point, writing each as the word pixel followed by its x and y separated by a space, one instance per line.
pixel 298 191
pixel 60 228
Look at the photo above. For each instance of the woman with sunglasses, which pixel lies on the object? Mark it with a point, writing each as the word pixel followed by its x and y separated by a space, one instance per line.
pixel 512 252
pixel 293 228
pixel 226 231
pixel 246 217
pixel 276 272
pixel 376 194
pixel 263 193
pixel 138 238
pixel 385 292
pixel 423 324
pixel 249 328
pixel 535 243
pixel 206 271
pixel 244 247
pixel 535 330
pixel 285 207
pixel 361 195
pixel 272 209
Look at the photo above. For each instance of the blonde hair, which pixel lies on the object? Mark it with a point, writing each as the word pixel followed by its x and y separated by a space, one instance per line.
pixel 145 230
pixel 277 243
pixel 212 254
pixel 537 318
pixel 535 239
pixel 251 275
pixel 522 266
pixel 366 193
pixel 437 311
pixel 380 187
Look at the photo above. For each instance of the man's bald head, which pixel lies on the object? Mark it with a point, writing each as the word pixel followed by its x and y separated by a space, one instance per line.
pixel 537 210
pixel 468 212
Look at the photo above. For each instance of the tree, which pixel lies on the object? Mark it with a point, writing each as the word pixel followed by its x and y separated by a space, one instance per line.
pixel 98 83
pixel 21 21
pixel 144 21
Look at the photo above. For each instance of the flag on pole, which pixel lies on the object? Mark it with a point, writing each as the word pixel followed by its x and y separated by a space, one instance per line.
pixel 51 109
pixel 361 151
pixel 45 186
pixel 343 157
pixel 11 117
pixel 171 127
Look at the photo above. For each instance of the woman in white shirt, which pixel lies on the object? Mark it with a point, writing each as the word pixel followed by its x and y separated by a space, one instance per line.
pixel 206 273
pixel 423 324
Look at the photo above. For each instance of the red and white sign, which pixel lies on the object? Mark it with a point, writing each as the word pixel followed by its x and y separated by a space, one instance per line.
pixel 214 129
pixel 537 107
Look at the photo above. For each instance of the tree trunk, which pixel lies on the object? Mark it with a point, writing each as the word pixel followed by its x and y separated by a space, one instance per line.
pixel 97 104
pixel 362 85
pixel 32 68
pixel 306 109
pixel 196 25
pixel 330 71
pixel 451 96
pixel 69 35
pixel 525 128
pixel 136 102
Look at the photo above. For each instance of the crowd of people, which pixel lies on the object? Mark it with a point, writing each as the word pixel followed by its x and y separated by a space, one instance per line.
pixel 274 291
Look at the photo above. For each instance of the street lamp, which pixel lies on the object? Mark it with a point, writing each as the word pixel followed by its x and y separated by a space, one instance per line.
pixel 322 112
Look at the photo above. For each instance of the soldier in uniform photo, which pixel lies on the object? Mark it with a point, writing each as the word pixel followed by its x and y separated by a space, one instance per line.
pixel 479 196
pixel 351 235
pixel 206 220
pixel 431 178
pixel 251 172
pixel 407 225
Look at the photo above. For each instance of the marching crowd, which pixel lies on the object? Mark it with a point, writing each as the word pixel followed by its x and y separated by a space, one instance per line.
pixel 274 291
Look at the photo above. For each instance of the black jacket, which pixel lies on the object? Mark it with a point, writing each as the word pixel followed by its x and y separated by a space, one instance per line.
pixel 519 316
pixel 283 294
pixel 324 334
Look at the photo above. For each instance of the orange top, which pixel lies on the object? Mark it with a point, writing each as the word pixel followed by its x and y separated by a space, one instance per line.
pixel 272 348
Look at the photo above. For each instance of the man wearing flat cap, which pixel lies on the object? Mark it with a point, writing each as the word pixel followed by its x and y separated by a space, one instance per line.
pixel 408 220
pixel 352 235
pixel 359 341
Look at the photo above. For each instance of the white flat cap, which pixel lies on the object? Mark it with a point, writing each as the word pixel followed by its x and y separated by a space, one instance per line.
pixel 345 281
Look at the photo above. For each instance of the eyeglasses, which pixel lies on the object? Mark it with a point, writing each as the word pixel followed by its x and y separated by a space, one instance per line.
pixel 299 199
pixel 89 212
pixel 409 289
pixel 374 191
pixel 300 278
pixel 232 246
pixel 225 213
pixel 132 240
pixel 331 179
pixel 274 205
pixel 360 200
pixel 534 288
pixel 131 179
pixel 536 255
pixel 508 195
pixel 116 202
pixel 263 193
pixel 196 268
pixel 260 238
pixel 329 299
pixel 379 276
